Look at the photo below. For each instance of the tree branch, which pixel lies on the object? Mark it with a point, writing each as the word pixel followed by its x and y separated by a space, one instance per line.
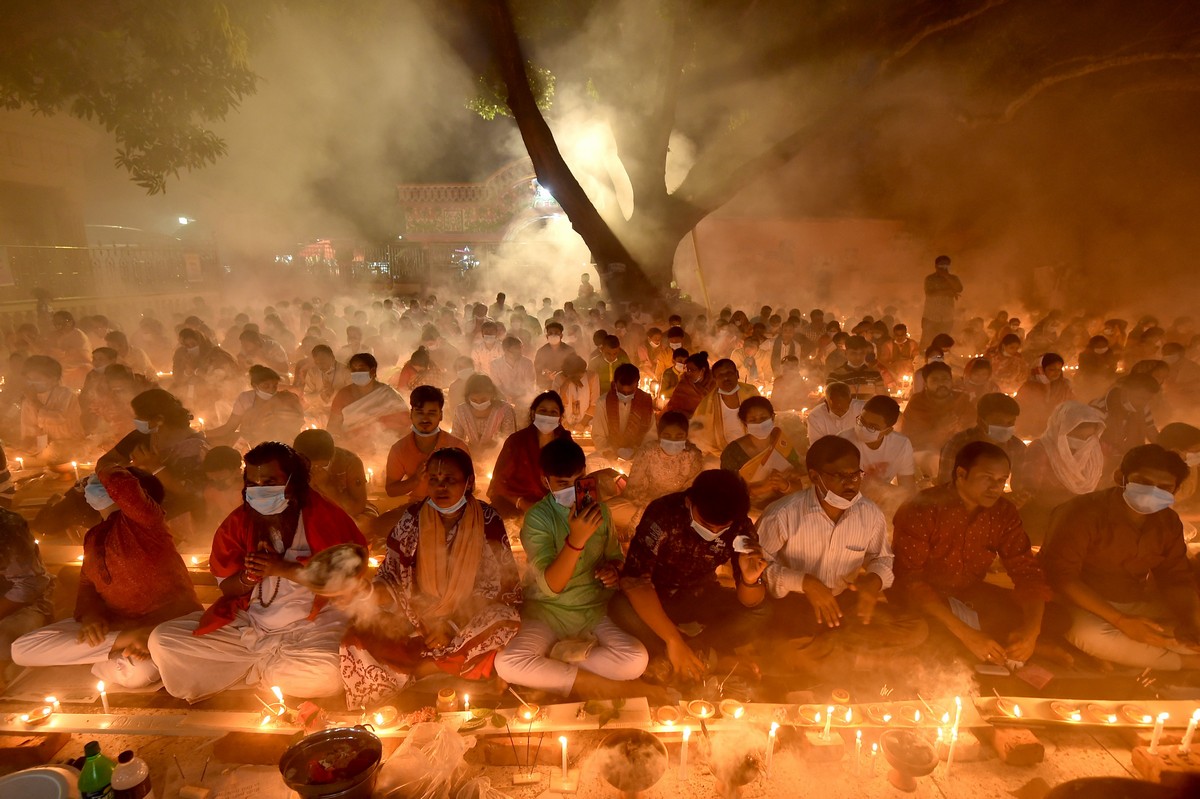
pixel 1082 71
pixel 936 28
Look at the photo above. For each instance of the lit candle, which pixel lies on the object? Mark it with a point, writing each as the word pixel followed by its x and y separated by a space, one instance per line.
pixel 1185 747
pixel 370 476
pixel 54 703
pixel 849 715
pixel 1112 718
pixel 103 697
pixel 201 421
pixel 1016 711
pixel 957 712
pixel 687 734
pixel 828 721
pixel 279 695
pixel 75 466
pixel 1158 728
pixel 950 754
pixel 467 702
pixel 858 752
pixel 771 746
pixel 20 463
pixel 874 757
pixel 562 739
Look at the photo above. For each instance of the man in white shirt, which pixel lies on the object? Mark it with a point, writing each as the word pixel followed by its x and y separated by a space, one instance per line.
pixel 624 416
pixel 889 473
pixel 830 561
pixel 836 414
pixel 513 373
pixel 487 349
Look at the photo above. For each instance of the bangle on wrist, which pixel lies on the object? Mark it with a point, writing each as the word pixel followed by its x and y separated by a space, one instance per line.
pixel 567 541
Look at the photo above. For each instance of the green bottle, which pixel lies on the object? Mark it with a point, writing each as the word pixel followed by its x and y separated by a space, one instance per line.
pixel 95 779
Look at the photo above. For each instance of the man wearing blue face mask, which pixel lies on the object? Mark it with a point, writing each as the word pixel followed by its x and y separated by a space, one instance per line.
pixel 1103 549
pixel 267 628
pixel 996 423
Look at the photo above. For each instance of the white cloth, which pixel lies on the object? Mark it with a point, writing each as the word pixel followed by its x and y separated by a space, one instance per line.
pixel 893 459
pixel 515 381
pixel 301 659
pixel 600 432
pixel 733 427
pixel 483 356
pixel 526 661
pixel 292 602
pixel 822 422
pixel 799 537
pixel 58 644
pixel 1079 472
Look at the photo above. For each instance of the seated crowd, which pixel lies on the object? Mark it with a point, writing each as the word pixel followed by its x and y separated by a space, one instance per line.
pixel 601 515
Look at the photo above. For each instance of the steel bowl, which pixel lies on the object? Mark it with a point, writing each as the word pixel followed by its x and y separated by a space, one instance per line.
pixel 293 766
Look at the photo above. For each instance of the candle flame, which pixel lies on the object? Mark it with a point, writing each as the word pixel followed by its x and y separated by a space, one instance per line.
pixel 266 719
pixel 945 718
pixel 275 689
pixel 858 735
pixel 100 686
pixel 1017 711
pixel 1164 716
pixel 887 717
pixel 50 700
pixel 562 739
pixel 874 749
pixel 1146 719
pixel 817 718
pixel 737 714
pixel 527 715
pixel 1196 715
pixel 374 562
pixel 958 702
pixel 849 715
pixel 379 719
pixel 1112 718
pixel 774 728
pixel 1075 716
pixel 916 715
pixel 195 560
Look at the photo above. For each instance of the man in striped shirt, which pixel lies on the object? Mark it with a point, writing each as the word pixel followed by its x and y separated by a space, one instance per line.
pixel 829 556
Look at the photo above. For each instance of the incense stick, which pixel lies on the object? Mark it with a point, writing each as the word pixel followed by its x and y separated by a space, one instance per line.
pixel 518 696
pixel 181 775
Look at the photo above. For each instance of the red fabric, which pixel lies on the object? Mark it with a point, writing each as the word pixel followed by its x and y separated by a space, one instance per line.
pixel 131 561
pixel 325 525
pixel 518 470
pixel 942 548
pixel 688 395
pixel 641 416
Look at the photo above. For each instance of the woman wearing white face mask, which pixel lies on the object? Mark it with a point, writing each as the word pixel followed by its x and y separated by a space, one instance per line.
pixel 132 580
pixel 267 628
pixel 764 457
pixel 1065 462
pixel 264 413
pixel 483 420
pixel 663 466
pixel 367 415
pixel 164 444
pixel 517 482
pixel 449 584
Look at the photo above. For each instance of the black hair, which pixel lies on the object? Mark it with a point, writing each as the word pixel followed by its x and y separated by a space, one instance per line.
pixel 260 373
pixel 995 403
pixel 626 373
pixel 675 332
pixel 750 403
pixel 1178 435
pixel 479 384
pixel 552 326
pixel 314 444
pixel 719 496
pixel 365 358
pixel 1153 456
pixel 827 449
pixel 680 353
pixel 553 396
pixel 721 364
pixel 460 458
pixel 886 407
pixel 978 451
pixel 1142 381
pixel 1051 358
pixel 942 260
pixel 936 366
pixel 160 402
pixel 220 458
pixel 423 395
pixel 420 357
pixel 293 464
pixel 672 419
pixel 322 349
pixel 562 457
pixel 857 343
pixel 943 341
pixel 1010 338
pixel 43 364
pixel 107 352
pixel 839 388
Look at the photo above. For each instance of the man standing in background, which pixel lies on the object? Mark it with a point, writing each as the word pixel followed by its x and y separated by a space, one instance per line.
pixel 941 293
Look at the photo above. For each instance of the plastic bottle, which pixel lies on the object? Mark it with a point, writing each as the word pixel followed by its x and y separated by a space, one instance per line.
pixel 95 778
pixel 131 779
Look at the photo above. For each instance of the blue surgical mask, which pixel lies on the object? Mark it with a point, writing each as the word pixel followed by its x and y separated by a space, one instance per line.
pixel 141 425
pixel 1146 499
pixel 96 494
pixel 267 500
pixel 455 508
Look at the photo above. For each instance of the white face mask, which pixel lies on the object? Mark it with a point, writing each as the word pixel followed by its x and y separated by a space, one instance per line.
pixel 761 429
pixel 264 395
pixel 96 494
pixel 1000 434
pixel 624 397
pixel 865 435
pixel 360 378
pixel 544 423
pixel 728 393
pixel 267 500
pixel 679 367
pixel 565 496
pixel 1076 444
pixel 421 434
pixel 481 406
pixel 704 532
pixel 455 508
pixel 675 345
pixel 489 340
pixel 1192 459
pixel 672 447
pixel 141 425
pixel 837 500
pixel 554 340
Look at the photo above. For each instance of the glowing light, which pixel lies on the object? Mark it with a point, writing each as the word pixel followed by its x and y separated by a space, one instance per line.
pixel 374 562
pixel 741 711
pixel 275 689
pixel 183 220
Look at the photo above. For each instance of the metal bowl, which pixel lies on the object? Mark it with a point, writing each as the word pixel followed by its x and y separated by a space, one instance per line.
pixel 294 765
pixel 636 760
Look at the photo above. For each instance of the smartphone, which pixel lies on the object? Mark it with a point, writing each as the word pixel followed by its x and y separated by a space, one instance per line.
pixel 587 493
